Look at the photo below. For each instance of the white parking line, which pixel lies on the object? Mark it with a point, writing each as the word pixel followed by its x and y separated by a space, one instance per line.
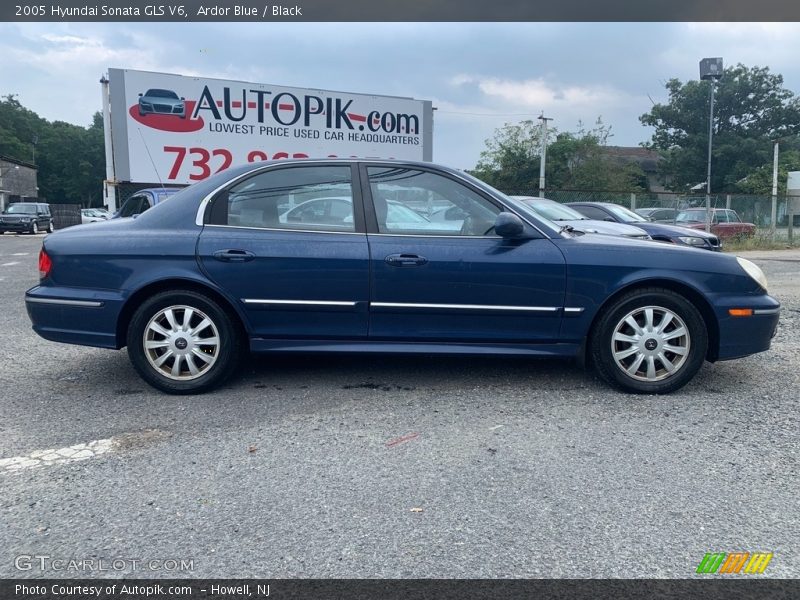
pixel 57 456
pixel 20 254
pixel 10 264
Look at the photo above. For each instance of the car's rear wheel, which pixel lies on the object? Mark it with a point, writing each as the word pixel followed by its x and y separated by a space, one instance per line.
pixel 183 342
pixel 50 228
pixel 650 341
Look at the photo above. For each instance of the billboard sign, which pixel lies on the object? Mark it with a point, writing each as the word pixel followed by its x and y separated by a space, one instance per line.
pixel 179 130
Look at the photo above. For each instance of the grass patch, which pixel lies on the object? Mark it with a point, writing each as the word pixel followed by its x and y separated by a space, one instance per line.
pixel 762 240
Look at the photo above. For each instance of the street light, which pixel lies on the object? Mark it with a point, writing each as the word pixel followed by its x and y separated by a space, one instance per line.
pixel 544 121
pixel 710 69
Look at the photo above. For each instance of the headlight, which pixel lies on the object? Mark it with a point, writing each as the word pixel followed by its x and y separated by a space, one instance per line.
pixel 692 241
pixel 754 271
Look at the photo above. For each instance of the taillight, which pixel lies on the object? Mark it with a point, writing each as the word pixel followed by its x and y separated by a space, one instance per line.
pixel 45 264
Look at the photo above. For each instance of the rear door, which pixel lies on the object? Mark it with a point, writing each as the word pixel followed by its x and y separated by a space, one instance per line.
pixel 452 278
pixel 295 273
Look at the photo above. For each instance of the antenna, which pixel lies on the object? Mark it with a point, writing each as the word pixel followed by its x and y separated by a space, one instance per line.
pixel 150 156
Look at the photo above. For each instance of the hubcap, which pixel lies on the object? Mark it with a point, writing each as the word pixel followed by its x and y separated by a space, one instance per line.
pixel 650 343
pixel 181 342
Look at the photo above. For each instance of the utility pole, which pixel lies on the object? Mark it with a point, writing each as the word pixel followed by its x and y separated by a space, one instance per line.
pixel 774 211
pixel 711 69
pixel 543 157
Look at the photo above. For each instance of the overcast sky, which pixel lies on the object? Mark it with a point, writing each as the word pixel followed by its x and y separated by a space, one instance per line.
pixel 478 75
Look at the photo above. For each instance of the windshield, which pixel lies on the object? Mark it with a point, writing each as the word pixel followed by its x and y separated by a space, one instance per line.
pixel 625 215
pixel 691 216
pixel 162 94
pixel 21 209
pixel 555 211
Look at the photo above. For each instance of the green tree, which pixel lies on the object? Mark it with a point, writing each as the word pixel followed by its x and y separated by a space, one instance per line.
pixel 70 158
pixel 759 181
pixel 511 158
pixel 751 108
pixel 575 160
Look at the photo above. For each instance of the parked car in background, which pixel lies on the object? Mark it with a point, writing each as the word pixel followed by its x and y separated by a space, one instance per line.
pixel 658 215
pixel 338 212
pixel 26 217
pixel 188 291
pixel 564 215
pixel 661 232
pixel 93 215
pixel 725 223
pixel 144 200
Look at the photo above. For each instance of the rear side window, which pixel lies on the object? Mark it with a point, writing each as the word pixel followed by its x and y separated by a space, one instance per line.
pixel 309 198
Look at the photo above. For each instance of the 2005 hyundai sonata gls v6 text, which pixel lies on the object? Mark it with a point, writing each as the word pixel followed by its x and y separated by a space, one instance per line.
pixel 193 282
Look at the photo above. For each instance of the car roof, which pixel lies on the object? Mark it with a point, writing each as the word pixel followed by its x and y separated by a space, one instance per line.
pixel 591 203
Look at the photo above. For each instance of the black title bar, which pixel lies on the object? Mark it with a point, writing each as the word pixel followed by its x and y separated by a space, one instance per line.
pixel 407 10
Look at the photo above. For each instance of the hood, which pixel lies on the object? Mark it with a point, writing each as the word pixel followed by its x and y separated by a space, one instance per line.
pixel 604 227
pixel 676 230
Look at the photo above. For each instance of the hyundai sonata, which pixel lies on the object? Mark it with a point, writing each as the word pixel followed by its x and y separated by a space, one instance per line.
pixel 213 271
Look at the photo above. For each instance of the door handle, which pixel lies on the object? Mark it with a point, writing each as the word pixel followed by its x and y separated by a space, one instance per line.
pixel 233 255
pixel 405 260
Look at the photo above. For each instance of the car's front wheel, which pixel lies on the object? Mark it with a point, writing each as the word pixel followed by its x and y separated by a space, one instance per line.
pixel 183 342
pixel 650 341
pixel 50 228
pixel 34 228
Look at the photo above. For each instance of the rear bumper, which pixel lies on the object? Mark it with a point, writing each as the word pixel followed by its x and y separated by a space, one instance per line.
pixel 75 316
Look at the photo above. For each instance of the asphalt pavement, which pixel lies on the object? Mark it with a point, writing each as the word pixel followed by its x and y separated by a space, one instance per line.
pixel 391 467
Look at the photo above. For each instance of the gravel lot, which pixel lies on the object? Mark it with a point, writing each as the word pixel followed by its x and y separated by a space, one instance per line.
pixel 398 467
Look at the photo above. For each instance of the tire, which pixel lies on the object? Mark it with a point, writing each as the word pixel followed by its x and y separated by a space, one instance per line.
pixel 643 359
pixel 211 362
pixel 34 228
pixel 50 228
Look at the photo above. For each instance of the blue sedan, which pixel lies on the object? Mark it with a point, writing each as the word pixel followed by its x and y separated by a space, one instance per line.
pixel 199 279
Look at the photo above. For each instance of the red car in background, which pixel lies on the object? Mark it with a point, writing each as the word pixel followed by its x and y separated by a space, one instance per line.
pixel 725 223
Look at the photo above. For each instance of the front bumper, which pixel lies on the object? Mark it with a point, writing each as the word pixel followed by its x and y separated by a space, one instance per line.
pixel 743 336
pixel 18 226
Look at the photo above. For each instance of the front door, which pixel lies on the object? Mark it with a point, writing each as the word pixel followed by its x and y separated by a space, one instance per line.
pixel 440 273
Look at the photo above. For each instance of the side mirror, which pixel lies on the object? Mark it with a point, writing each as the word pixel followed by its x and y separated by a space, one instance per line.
pixel 610 219
pixel 508 225
pixel 140 95
pixel 182 98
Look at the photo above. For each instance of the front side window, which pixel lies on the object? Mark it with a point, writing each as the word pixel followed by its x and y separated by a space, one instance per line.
pixel 305 198
pixel 414 202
